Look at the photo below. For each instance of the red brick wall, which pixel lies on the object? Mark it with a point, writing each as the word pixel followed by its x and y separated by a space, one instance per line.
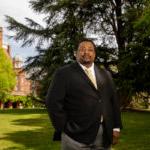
pixel 23 85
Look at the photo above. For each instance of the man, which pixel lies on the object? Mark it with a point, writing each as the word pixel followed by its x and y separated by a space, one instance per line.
pixel 83 105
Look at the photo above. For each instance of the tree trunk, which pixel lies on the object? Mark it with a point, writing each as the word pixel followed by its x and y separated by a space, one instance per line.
pixel 1 105
pixel 119 26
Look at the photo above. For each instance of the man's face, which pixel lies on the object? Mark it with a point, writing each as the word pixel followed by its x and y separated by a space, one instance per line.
pixel 85 53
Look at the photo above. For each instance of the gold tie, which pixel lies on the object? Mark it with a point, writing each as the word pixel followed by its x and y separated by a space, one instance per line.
pixel 91 77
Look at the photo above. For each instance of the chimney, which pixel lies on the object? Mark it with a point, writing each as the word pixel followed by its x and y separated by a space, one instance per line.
pixel 8 50
pixel 1 37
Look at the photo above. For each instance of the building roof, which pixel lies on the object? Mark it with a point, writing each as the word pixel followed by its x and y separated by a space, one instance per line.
pixel 18 58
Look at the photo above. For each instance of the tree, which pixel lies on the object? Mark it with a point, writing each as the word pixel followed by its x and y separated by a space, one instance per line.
pixel 67 21
pixel 7 75
pixel 142 57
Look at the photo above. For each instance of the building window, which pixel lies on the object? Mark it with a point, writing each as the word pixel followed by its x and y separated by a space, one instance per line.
pixel 17 85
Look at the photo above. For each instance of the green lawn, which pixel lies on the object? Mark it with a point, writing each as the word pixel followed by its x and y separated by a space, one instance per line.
pixel 30 129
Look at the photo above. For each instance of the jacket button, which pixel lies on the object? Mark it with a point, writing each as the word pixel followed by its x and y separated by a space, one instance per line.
pixel 99 101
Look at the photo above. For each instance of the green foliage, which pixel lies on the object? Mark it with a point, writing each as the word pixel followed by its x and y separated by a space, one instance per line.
pixel 141 100
pixel 7 75
pixel 134 69
pixel 143 22
pixel 25 100
pixel 118 24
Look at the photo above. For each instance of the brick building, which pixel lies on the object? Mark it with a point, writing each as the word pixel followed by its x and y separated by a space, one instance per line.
pixel 24 86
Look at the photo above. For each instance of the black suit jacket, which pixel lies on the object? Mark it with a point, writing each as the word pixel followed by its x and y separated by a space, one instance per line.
pixel 75 106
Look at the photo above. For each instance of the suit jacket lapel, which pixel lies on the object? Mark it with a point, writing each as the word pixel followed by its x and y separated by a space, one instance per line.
pixel 99 77
pixel 84 76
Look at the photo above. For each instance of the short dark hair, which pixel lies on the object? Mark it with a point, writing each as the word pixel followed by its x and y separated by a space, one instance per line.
pixel 87 40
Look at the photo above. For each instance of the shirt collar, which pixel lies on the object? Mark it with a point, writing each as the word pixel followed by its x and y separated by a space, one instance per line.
pixel 90 68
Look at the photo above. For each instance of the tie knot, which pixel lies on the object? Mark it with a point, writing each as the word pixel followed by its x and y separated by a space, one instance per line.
pixel 88 71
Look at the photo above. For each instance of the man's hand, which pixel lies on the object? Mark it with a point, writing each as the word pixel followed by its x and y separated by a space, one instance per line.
pixel 116 136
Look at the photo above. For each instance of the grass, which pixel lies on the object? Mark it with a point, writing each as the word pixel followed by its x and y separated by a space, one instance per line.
pixel 136 131
pixel 30 129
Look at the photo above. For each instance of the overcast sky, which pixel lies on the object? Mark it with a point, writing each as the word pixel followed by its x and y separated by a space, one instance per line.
pixel 18 9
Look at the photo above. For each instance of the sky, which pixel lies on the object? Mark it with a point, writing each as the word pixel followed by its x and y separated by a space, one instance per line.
pixel 18 9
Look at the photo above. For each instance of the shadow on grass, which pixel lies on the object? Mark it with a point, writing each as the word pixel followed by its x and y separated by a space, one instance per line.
pixel 32 138
pixel 36 122
pixel 12 148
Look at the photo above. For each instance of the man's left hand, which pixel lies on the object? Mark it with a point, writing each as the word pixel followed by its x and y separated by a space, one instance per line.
pixel 116 136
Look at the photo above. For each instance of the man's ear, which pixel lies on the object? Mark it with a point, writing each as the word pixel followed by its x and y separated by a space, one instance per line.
pixel 75 53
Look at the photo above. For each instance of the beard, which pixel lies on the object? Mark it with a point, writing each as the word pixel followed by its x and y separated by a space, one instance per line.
pixel 86 60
